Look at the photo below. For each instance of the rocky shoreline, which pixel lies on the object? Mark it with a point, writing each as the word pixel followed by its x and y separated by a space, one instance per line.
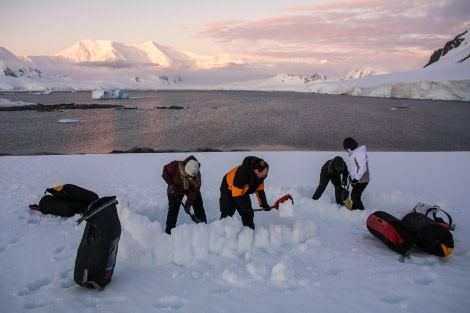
pixel 58 107
pixel 138 150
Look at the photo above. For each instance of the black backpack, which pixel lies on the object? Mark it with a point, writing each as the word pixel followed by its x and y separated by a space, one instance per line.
pixel 431 236
pixel 74 193
pixel 65 200
pixel 57 206
pixel 97 252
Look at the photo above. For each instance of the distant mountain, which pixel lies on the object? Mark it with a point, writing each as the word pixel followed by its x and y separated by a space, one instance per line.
pixel 287 78
pixel 90 64
pixel 148 53
pixel 455 51
pixel 12 66
pixel 364 71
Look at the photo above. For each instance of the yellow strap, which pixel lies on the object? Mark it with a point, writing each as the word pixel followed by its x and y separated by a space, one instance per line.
pixel 446 250
pixel 58 188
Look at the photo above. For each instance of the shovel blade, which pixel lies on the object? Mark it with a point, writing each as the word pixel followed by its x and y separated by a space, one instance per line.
pixel 281 200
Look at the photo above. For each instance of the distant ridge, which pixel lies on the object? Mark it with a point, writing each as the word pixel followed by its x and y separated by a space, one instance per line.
pixel 364 71
pixel 150 53
pixel 457 49
pixel 90 64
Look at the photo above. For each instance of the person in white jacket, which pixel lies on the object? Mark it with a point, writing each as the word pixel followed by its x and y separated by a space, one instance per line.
pixel 358 171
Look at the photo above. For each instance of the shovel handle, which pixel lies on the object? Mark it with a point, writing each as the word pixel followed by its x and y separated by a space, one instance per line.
pixel 272 207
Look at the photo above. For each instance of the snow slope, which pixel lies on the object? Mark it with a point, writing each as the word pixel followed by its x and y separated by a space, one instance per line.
pixel 321 258
pixel 448 78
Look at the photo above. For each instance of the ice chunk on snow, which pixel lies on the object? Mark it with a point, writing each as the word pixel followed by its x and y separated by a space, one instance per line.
pixel 286 209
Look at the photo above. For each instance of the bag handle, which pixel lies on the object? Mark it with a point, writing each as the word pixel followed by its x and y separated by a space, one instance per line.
pixel 434 210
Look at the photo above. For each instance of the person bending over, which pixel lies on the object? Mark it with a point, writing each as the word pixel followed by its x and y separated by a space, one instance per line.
pixel 183 179
pixel 238 184
pixel 336 171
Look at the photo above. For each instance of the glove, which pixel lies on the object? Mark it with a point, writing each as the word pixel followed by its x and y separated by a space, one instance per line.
pixel 354 183
pixel 187 209
pixel 171 189
pixel 267 207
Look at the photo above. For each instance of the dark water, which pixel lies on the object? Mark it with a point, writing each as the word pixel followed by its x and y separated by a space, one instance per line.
pixel 229 120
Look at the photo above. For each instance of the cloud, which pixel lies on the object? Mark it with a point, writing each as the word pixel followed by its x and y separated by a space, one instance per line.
pixel 383 32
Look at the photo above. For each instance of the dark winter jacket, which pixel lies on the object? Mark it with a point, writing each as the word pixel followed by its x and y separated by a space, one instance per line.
pixel 242 181
pixel 328 168
pixel 172 176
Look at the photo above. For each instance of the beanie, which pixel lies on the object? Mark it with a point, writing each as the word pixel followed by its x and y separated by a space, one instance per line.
pixel 349 143
pixel 192 168
pixel 338 164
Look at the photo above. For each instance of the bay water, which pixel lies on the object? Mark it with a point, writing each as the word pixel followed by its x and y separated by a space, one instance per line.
pixel 232 120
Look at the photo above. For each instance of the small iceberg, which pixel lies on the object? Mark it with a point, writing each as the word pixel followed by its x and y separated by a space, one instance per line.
pixel 45 92
pixel 103 93
pixel 67 120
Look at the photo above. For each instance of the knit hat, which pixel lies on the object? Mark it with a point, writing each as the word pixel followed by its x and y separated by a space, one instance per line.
pixel 338 164
pixel 192 168
pixel 349 143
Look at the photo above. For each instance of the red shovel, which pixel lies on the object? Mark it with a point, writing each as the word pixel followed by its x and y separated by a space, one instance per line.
pixel 280 200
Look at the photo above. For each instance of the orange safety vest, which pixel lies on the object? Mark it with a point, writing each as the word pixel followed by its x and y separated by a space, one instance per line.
pixel 236 191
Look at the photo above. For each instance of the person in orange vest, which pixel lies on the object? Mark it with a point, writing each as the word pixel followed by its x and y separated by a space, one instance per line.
pixel 238 184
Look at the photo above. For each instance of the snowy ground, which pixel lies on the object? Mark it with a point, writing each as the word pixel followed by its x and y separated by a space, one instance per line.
pixel 321 258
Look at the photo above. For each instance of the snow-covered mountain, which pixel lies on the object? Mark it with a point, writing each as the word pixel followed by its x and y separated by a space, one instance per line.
pixel 106 51
pixel 90 64
pixel 364 71
pixel 12 66
pixel 150 53
pixel 447 78
pixel 455 51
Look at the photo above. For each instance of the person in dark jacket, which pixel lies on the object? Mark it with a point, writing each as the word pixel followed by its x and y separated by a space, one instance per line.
pixel 336 171
pixel 238 184
pixel 183 179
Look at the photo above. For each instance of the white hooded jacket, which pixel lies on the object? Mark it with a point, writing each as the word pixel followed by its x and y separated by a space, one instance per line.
pixel 358 164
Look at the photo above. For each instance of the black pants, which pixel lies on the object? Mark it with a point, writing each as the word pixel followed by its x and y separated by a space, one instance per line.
pixel 228 206
pixel 174 203
pixel 356 194
pixel 324 180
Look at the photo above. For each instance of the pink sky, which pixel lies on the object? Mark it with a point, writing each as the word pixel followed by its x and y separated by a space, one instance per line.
pixel 298 36
pixel 387 34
